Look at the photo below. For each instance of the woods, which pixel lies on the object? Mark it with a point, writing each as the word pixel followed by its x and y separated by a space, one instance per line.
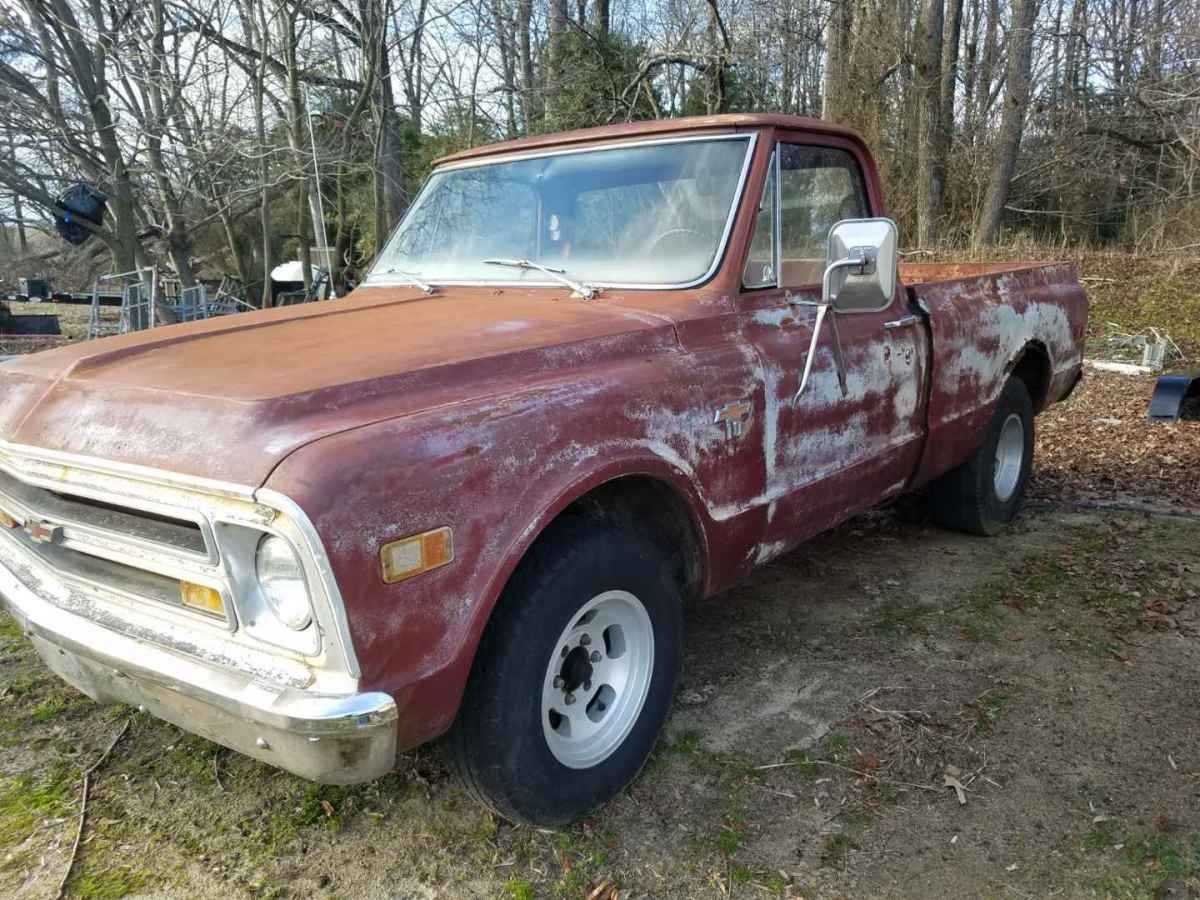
pixel 232 135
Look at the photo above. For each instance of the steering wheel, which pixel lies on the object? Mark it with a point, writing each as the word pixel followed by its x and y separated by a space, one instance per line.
pixel 670 233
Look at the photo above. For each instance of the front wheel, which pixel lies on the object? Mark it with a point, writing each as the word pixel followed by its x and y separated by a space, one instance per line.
pixel 574 677
pixel 984 493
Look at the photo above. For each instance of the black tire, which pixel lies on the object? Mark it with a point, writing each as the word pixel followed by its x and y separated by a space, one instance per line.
pixel 498 747
pixel 967 498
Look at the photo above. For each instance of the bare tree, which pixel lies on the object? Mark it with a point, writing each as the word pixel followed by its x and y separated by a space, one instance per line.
pixel 1012 124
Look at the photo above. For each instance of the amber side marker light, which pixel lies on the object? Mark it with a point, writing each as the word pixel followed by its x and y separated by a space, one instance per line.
pixel 199 597
pixel 7 521
pixel 417 554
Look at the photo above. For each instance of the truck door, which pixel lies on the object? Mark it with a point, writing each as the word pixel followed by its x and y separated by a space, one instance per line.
pixel 833 451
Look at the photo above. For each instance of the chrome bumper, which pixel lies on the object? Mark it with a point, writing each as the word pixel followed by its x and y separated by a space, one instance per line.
pixel 331 739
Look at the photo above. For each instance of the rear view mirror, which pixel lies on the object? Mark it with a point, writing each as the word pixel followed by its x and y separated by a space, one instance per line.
pixel 860 265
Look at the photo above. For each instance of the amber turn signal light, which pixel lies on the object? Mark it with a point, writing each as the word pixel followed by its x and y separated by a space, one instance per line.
pixel 413 555
pixel 199 597
pixel 7 521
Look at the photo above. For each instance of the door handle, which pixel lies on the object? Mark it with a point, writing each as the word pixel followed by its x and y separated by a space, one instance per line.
pixel 902 322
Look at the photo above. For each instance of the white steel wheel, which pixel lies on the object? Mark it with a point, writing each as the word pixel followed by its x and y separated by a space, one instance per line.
pixel 597 679
pixel 1010 457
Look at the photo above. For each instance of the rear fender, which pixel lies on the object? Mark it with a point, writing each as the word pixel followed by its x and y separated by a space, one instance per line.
pixel 984 328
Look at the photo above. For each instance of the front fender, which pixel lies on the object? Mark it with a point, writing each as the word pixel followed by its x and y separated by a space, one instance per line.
pixel 497 473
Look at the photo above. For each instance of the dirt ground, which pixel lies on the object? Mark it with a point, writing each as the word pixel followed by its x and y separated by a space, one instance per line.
pixel 829 711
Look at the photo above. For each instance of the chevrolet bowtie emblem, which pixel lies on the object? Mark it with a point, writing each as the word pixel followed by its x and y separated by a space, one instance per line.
pixel 734 417
pixel 43 532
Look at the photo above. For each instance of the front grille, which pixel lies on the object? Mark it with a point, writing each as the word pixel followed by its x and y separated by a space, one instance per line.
pixel 137 555
pixel 83 514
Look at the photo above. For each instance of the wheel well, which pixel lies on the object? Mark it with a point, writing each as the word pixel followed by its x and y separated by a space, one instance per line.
pixel 1033 368
pixel 652 507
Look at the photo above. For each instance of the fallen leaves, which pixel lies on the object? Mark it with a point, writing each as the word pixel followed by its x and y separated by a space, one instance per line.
pixel 1100 445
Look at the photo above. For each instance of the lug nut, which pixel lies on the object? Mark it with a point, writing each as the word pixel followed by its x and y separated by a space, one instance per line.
pixel 585 640
pixel 558 682
pixel 569 699
pixel 595 657
pixel 587 685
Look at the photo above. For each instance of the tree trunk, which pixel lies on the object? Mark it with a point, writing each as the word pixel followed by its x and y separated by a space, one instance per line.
pixel 987 67
pixel 970 69
pixel 1012 126
pixel 389 160
pixel 262 35
pixel 953 35
pixel 930 161
pixel 837 41
pixel 604 17
pixel 530 111
pixel 508 68
pixel 1155 54
pixel 720 51
pixel 1074 75
pixel 556 31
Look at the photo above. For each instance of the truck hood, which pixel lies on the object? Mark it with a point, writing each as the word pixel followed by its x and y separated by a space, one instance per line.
pixel 229 398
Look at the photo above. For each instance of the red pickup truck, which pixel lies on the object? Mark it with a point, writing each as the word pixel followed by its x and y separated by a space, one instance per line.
pixel 590 375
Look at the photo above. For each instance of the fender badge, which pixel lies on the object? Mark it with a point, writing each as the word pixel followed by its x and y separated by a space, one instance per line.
pixel 734 417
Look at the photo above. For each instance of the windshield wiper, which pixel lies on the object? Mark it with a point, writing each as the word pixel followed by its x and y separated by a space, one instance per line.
pixel 411 279
pixel 586 291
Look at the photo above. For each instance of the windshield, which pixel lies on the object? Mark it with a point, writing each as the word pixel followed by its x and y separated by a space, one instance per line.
pixel 655 215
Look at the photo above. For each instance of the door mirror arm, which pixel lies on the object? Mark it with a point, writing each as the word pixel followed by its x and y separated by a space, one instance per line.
pixel 862 261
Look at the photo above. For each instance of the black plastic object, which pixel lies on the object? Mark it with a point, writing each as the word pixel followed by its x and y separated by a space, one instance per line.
pixel 79 202
pixel 1175 397
pixel 23 325
pixel 33 288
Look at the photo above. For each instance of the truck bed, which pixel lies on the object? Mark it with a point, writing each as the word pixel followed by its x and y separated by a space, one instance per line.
pixel 915 274
pixel 984 318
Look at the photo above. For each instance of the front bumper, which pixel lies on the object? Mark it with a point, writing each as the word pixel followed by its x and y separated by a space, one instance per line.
pixel 332 739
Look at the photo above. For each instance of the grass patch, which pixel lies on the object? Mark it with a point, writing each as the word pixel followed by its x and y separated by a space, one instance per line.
pixel 803 763
pixel 518 889
pixel 895 619
pixel 25 803
pixel 1146 860
pixel 10 631
pixel 835 848
pixel 52 707
pixel 688 742
pixel 729 840
pixel 110 883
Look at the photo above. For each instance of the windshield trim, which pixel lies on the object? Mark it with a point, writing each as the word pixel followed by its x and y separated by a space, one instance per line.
pixel 381 280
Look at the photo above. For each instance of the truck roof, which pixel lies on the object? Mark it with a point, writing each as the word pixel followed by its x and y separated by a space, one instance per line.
pixel 726 122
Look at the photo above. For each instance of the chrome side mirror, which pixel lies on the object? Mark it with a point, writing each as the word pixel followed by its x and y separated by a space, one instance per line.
pixel 860 265
pixel 860 276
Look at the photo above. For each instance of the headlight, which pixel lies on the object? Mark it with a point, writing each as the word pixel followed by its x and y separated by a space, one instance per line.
pixel 281 579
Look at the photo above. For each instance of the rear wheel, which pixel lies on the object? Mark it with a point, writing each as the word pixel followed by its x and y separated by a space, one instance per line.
pixel 574 676
pixel 985 493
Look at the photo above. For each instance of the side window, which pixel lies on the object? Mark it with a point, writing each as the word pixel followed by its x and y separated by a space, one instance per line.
pixel 760 263
pixel 818 187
